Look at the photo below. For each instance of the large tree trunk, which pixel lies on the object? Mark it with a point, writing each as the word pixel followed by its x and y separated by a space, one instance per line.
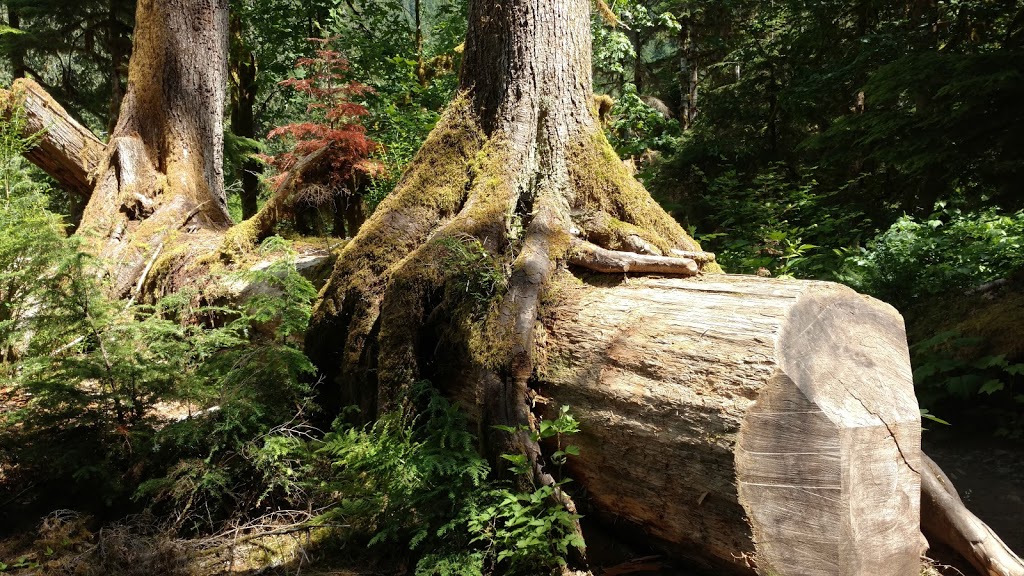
pixel 689 430
pixel 774 421
pixel 163 176
pixel 518 166
pixel 156 217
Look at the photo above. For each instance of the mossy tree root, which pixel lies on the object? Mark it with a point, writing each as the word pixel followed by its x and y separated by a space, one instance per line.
pixel 515 203
pixel 244 236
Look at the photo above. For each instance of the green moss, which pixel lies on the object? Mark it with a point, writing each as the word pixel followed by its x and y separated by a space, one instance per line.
pixel 239 240
pixel 603 183
pixel 389 267
pixel 432 190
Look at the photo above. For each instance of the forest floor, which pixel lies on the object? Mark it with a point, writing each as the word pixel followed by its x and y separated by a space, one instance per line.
pixel 988 473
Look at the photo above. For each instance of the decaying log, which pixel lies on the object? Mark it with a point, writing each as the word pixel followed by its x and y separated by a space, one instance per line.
pixel 752 423
pixel 944 518
pixel 66 150
pixel 276 207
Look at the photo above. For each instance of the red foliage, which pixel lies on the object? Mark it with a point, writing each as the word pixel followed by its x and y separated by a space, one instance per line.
pixel 336 122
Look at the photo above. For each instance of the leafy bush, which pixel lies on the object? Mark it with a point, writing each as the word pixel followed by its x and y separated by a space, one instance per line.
pixel 379 39
pixel 637 127
pixel 90 377
pixel 775 222
pixel 334 120
pixel 947 369
pixel 931 269
pixel 950 252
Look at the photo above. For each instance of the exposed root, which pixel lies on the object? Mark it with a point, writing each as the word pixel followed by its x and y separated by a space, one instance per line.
pixel 602 229
pixel 705 259
pixel 243 237
pixel 944 518
pixel 593 257
pixel 512 201
pixel 430 192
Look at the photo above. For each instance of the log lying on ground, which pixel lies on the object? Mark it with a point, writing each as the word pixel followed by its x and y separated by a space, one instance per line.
pixel 752 423
pixel 66 150
pixel 944 518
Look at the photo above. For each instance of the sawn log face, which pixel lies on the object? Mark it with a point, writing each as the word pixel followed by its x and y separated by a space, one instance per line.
pixel 759 424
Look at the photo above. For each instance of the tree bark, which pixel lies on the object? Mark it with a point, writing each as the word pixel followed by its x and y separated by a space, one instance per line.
pixel 64 149
pixel 689 74
pixel 165 155
pixel 769 420
pixel 753 424
pixel 760 418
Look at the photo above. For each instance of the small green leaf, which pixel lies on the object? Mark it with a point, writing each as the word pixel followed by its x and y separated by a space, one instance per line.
pixel 991 386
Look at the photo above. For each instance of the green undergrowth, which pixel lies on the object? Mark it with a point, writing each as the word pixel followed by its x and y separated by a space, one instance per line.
pixel 419 483
pixel 112 405
pixel 195 409
pixel 958 279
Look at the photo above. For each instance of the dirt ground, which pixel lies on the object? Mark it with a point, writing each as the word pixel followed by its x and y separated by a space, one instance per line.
pixel 989 475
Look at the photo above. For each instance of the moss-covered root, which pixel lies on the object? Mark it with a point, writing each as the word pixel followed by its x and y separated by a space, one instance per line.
pixel 431 191
pixel 243 237
pixel 613 210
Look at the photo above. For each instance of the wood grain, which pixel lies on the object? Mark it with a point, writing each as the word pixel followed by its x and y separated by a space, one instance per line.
pixel 756 424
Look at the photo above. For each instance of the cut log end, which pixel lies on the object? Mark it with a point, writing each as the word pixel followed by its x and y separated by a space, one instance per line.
pixel 750 422
pixel 828 456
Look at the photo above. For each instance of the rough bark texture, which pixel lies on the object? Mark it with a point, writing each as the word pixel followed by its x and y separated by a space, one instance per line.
pixel 517 167
pixel 727 433
pixel 732 416
pixel 747 422
pixel 65 150
pixel 165 155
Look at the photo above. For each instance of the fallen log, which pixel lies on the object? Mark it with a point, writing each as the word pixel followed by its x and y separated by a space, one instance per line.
pixel 65 149
pixel 755 424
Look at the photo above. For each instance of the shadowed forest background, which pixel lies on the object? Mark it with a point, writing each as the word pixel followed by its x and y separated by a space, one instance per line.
pixel 875 144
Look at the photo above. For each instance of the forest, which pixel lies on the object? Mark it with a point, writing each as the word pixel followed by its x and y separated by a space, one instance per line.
pixel 512 287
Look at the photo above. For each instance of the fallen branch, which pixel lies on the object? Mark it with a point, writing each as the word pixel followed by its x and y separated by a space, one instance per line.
pixel 67 151
pixel 945 519
pixel 276 207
